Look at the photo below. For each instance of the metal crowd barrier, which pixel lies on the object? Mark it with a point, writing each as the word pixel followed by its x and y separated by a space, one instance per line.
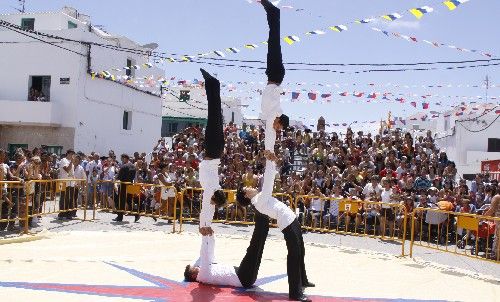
pixel 145 200
pixel 12 202
pixel 353 217
pixel 463 234
pixel 21 202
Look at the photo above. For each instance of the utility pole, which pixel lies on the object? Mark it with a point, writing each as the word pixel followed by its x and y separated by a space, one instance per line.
pixel 487 86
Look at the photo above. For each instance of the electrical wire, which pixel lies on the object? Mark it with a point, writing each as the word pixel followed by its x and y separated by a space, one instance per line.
pixel 162 54
pixel 476 131
pixel 355 72
pixel 41 40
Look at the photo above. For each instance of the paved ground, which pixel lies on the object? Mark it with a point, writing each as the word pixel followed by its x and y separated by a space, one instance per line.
pixel 118 266
pixel 103 223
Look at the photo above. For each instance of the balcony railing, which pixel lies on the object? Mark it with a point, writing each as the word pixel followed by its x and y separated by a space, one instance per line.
pixel 29 113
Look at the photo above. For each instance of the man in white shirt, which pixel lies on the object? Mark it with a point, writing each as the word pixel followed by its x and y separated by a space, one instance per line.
pixel 372 189
pixel 287 223
pixel 94 163
pixel 332 216
pixel 66 171
pixel 78 185
pixel 270 107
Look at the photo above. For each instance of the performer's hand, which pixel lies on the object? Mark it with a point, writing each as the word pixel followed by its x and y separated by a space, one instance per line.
pixel 206 231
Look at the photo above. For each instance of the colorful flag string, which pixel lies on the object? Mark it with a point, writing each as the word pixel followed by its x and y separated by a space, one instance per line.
pixel 414 39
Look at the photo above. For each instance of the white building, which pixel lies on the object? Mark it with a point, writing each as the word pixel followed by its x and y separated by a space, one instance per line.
pixel 186 105
pixel 81 112
pixel 469 134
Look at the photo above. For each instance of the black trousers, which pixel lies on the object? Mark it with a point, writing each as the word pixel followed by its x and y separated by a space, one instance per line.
pixel 67 201
pixel 296 268
pixel 122 199
pixel 275 70
pixel 4 208
pixel 214 133
pixel 249 267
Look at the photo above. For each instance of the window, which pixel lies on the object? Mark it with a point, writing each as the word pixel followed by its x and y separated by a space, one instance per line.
pixel 130 71
pixel 493 144
pixel 72 25
pixel 184 96
pixel 53 149
pixel 39 88
pixel 127 120
pixel 28 23
pixel 13 147
pixel 172 128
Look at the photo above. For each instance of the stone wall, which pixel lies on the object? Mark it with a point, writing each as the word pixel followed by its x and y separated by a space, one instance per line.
pixel 35 136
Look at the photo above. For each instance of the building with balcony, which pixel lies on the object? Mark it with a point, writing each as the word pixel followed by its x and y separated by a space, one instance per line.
pixel 469 133
pixel 50 94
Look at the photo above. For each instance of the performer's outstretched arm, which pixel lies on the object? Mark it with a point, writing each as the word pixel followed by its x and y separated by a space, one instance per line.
pixel 268 182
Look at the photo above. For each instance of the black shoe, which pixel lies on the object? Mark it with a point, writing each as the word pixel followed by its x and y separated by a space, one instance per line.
pixel 309 284
pixel 154 218
pixel 206 75
pixel 302 298
pixel 137 217
pixel 117 219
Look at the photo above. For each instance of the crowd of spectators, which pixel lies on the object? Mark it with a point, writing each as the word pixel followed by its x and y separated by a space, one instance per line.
pixel 390 167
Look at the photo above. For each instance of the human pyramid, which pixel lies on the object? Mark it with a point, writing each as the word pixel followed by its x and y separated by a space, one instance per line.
pixel 266 206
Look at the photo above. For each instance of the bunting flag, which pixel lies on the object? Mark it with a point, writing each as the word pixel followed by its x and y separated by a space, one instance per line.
pixel 251 46
pixel 219 53
pixel 392 17
pixel 401 100
pixel 497 111
pixel 295 95
pixel 420 11
pixel 326 95
pixel 345 93
pixel 338 28
pixel 364 21
pixel 358 94
pixel 312 96
pixel 453 4
pixel 316 32
pixel 435 44
pixel 425 105
pixel 459 113
pixel 414 104
pixel 233 50
pixel 372 95
pixel 291 39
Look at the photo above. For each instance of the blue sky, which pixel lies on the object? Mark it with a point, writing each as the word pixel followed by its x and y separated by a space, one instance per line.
pixel 195 26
